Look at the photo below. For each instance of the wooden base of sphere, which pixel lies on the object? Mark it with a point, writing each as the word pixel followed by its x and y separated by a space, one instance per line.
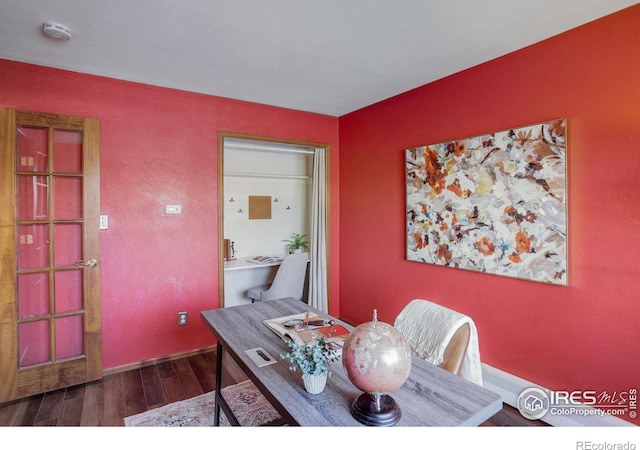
pixel 377 410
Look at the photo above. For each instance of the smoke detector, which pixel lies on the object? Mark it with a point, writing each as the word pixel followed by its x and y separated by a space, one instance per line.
pixel 56 31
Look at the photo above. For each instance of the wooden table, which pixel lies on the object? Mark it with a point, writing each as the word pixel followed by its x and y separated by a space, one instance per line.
pixel 431 396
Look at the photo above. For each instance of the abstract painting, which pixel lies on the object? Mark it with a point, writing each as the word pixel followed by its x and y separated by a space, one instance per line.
pixel 494 203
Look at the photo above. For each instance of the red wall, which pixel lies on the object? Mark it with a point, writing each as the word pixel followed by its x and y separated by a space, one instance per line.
pixel 158 147
pixel 584 336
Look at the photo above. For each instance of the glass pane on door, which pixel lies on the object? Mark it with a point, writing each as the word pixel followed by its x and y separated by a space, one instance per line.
pixel 33 295
pixel 33 197
pixel 68 198
pixel 67 240
pixel 68 288
pixel 34 343
pixel 33 246
pixel 69 337
pixel 32 149
pixel 67 151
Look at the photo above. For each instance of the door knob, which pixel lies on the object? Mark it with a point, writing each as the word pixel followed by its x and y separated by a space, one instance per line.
pixel 90 264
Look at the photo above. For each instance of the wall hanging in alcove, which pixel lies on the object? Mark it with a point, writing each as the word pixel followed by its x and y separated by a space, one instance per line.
pixel 259 207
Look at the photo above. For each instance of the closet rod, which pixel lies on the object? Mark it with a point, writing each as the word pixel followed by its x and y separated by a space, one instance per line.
pixel 265 175
pixel 260 147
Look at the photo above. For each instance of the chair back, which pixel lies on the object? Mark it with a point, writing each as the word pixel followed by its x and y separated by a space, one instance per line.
pixel 456 350
pixel 443 337
pixel 289 279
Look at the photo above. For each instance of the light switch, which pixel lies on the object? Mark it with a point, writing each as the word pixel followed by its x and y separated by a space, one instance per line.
pixel 104 222
pixel 173 209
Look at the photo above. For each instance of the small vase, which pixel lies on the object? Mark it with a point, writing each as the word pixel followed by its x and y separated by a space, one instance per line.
pixel 314 384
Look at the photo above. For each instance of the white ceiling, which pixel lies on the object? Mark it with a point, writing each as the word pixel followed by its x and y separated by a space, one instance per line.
pixel 324 56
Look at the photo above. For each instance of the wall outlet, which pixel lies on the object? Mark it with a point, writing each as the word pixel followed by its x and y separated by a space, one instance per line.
pixel 182 318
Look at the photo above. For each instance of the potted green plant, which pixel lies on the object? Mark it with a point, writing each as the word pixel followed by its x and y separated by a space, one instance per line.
pixel 296 243
pixel 312 358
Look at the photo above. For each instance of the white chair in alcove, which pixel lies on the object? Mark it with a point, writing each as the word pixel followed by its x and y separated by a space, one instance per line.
pixel 288 282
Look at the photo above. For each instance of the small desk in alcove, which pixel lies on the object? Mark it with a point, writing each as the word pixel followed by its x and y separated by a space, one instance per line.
pixel 240 275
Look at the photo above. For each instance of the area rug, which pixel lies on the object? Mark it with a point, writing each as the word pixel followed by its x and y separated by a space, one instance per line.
pixel 250 407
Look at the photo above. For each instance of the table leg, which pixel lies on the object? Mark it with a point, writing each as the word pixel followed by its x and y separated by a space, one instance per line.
pixel 216 414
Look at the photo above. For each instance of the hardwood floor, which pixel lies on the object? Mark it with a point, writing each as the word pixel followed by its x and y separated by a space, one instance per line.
pixel 108 401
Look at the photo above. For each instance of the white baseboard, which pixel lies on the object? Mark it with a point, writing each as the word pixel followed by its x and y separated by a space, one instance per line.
pixel 509 387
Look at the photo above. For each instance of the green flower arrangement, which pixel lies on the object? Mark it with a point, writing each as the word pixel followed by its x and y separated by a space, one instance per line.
pixel 312 358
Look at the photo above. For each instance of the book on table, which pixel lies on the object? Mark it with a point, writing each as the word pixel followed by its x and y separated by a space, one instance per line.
pixel 305 327
pixel 265 259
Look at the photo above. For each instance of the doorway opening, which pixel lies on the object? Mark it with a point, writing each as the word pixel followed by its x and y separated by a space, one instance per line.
pixel 269 189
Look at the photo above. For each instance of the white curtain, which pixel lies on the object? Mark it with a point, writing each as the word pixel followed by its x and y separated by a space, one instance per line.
pixel 318 277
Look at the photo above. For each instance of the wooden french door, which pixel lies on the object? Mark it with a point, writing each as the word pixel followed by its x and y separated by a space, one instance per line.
pixel 50 311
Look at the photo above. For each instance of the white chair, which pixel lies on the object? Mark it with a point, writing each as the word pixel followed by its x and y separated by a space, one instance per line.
pixel 443 337
pixel 288 281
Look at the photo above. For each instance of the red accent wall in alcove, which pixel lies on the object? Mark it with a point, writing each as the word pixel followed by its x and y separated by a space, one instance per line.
pixel 158 147
pixel 584 336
